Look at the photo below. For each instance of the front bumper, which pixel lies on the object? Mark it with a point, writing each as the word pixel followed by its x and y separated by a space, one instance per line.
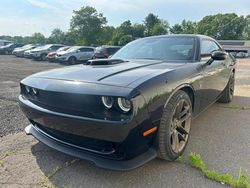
pixel 116 145
pixel 83 154
pixel 61 59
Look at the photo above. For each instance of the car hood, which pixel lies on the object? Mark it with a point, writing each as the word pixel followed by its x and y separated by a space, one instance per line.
pixel 64 53
pixel 122 74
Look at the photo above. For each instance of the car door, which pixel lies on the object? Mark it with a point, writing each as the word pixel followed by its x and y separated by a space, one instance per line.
pixel 215 75
pixel 86 53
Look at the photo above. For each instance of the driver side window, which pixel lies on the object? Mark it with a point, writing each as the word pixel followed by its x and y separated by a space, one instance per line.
pixel 207 47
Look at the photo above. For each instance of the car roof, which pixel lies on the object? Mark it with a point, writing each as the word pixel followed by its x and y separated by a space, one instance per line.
pixel 183 35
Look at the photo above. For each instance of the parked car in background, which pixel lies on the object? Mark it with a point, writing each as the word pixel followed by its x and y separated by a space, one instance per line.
pixel 8 49
pixel 4 42
pixel 41 53
pixel 241 55
pixel 20 52
pixel 51 57
pixel 75 54
pixel 19 48
pixel 138 105
pixel 105 51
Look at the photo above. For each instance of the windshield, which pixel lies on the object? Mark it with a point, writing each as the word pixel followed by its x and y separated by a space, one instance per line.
pixel 159 48
pixel 63 49
pixel 72 49
pixel 44 47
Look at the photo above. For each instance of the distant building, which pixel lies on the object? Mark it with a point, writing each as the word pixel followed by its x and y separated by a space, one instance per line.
pixel 236 45
pixel 4 42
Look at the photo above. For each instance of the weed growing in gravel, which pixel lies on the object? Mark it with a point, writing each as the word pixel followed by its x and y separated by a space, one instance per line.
pixel 45 180
pixel 1 163
pixel 6 154
pixel 241 181
pixel 180 160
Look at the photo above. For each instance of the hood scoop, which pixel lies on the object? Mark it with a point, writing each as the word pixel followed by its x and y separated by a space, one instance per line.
pixel 105 61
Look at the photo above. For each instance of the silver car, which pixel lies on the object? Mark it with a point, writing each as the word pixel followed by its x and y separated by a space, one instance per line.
pixel 41 53
pixel 75 54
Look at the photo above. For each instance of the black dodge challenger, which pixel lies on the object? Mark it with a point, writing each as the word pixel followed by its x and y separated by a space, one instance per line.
pixel 124 111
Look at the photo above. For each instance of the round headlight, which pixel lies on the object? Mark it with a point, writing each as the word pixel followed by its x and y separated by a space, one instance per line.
pixel 124 104
pixel 108 102
pixel 34 91
pixel 27 88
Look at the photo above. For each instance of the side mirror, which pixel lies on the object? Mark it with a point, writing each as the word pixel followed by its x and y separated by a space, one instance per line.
pixel 219 55
pixel 77 51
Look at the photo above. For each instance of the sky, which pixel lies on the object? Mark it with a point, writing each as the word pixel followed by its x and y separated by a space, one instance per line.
pixel 25 17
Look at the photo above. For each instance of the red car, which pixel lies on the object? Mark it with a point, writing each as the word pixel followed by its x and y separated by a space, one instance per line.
pixel 52 55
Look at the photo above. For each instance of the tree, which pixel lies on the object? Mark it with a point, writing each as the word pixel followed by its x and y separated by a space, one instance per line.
pixel 125 29
pixel 246 31
pixel 38 38
pixel 106 35
pixel 138 30
pixel 176 29
pixel 160 28
pixel 88 24
pixel 57 36
pixel 150 21
pixel 222 26
pixel 125 39
pixel 186 27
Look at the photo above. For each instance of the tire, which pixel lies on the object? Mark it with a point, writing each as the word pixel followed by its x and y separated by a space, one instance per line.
pixel 173 135
pixel 43 57
pixel 72 60
pixel 227 94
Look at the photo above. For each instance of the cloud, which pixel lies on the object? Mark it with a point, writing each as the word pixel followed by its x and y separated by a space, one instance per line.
pixel 28 16
pixel 40 4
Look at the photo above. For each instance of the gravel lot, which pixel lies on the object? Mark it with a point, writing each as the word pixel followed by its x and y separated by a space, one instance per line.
pixel 12 70
pixel 220 135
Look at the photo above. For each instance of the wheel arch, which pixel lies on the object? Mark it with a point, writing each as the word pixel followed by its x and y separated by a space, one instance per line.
pixel 186 88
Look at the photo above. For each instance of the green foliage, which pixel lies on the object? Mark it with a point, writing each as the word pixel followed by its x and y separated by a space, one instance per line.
pixel 246 31
pixel 227 178
pixel 222 26
pixel 180 160
pixel 186 27
pixel 150 21
pixel 125 39
pixel 88 25
pixel 195 161
pixel 57 36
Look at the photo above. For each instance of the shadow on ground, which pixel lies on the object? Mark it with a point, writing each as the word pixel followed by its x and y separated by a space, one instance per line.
pixel 220 135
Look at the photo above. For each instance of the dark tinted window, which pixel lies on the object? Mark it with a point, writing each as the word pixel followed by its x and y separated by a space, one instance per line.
pixel 55 47
pixel 208 46
pixel 163 48
pixel 86 49
pixel 111 51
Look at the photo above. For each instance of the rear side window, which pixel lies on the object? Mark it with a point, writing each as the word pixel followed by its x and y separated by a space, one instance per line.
pixel 55 47
pixel 112 50
pixel 209 46
pixel 86 49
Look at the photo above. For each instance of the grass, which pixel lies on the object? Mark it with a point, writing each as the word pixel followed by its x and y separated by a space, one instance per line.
pixel 240 182
pixel 180 160
pixel 238 107
pixel 53 172
pixel 1 163
pixel 5 154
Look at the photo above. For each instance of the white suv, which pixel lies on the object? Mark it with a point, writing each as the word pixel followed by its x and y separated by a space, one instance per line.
pixel 75 54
